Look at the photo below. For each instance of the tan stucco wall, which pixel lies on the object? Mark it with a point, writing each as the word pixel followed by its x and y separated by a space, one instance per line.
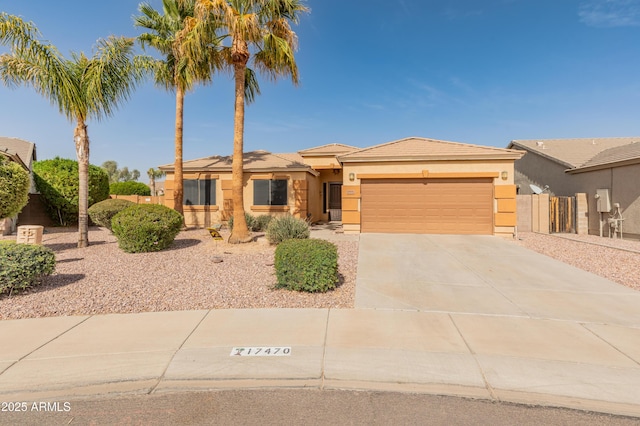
pixel 314 194
pixel 623 185
pixel 540 172
pixel 524 213
pixel 432 167
pixel 202 216
pixel 504 202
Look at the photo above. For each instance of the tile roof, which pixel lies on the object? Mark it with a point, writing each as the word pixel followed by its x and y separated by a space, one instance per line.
pixel 613 155
pixel 415 148
pixel 329 149
pixel 253 161
pixel 572 152
pixel 25 150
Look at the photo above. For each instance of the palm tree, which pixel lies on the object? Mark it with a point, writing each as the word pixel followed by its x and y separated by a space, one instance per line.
pixel 153 175
pixel 186 61
pixel 81 87
pixel 264 28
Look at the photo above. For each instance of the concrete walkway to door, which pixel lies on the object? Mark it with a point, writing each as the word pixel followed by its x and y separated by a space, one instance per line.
pixel 538 329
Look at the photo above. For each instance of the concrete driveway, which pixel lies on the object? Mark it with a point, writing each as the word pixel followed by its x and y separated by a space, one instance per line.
pixel 476 274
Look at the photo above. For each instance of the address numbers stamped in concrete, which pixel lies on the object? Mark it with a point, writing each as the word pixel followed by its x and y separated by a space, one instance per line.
pixel 262 351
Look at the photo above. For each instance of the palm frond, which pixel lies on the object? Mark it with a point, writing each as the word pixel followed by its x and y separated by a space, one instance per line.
pixel 14 31
pixel 110 76
pixel 276 59
pixel 251 86
pixel 189 46
pixel 37 64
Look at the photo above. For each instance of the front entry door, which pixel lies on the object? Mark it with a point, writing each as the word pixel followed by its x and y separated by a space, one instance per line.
pixel 335 201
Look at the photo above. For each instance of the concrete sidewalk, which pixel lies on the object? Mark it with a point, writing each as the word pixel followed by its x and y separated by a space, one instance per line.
pixel 470 316
pixel 587 366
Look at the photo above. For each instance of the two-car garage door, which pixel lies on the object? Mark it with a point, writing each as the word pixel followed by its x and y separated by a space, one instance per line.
pixel 427 206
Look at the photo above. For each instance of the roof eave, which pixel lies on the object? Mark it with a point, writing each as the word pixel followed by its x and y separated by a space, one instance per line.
pixel 325 154
pixel 15 158
pixel 311 152
pixel 171 169
pixel 548 157
pixel 603 166
pixel 363 159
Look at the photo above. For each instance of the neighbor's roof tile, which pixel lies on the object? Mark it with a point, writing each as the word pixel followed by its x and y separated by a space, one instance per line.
pixel 24 149
pixel 614 155
pixel 572 152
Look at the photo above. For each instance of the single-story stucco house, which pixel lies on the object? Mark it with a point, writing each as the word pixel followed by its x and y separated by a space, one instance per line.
pixel 585 165
pixel 411 185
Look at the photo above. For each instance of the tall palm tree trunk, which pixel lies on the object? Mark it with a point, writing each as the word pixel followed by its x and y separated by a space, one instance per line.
pixel 178 183
pixel 240 233
pixel 81 139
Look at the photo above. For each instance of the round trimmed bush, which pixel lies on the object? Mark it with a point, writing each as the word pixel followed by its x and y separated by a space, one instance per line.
pixel 307 265
pixel 146 227
pixel 24 265
pixel 14 188
pixel 101 213
pixel 286 227
pixel 129 188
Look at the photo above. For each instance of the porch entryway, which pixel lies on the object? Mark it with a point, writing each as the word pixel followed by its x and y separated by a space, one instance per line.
pixel 335 202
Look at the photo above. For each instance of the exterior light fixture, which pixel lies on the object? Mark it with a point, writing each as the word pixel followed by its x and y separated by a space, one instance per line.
pixel 504 175
pixel 352 177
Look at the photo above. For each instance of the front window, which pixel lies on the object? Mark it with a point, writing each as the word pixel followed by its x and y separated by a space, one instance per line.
pixel 270 192
pixel 199 192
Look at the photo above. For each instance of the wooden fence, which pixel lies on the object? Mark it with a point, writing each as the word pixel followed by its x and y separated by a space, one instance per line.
pixel 562 215
pixel 550 214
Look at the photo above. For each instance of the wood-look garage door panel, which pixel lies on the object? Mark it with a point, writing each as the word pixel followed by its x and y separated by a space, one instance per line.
pixel 452 206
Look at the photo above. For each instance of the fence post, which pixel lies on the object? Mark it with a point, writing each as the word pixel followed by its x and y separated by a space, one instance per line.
pixel 582 217
pixel 543 213
pixel 525 212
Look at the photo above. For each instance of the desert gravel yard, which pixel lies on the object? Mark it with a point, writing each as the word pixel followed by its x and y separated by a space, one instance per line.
pixel 614 259
pixel 103 279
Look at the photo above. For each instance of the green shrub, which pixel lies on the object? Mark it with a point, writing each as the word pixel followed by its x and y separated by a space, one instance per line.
pixel 24 265
pixel 57 181
pixel 101 213
pixel 251 222
pixel 262 222
pixel 14 188
pixel 129 188
pixel 307 265
pixel 146 227
pixel 287 227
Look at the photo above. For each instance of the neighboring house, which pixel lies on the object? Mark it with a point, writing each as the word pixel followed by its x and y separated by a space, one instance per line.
pixel 409 185
pixel 23 153
pixel 570 166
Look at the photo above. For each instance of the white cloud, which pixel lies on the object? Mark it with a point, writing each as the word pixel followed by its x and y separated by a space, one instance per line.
pixel 610 13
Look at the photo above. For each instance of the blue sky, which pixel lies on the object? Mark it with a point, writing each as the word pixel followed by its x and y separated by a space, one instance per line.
pixel 477 71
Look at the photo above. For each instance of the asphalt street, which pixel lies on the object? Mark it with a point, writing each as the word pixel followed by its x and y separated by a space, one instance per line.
pixel 296 406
